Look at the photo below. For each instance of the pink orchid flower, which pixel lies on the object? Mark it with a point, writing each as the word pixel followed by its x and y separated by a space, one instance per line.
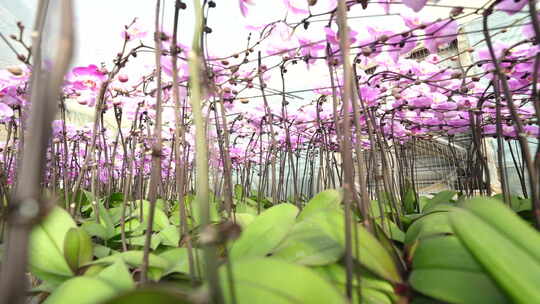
pixel 511 6
pixel 415 5
pixel 243 6
pixel 440 33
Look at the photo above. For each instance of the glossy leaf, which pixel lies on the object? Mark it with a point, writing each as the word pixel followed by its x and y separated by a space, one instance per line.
pixel 147 295
pixel 265 232
pixel 267 280
pixel 444 269
pixel 325 201
pixel 443 197
pixel 81 290
pixel 77 248
pixel 46 249
pixel 118 276
pixel 311 241
pixel 514 268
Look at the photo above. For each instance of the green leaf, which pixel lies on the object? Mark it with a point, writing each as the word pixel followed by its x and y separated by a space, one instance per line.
pixel 507 223
pixel 264 280
pixel 391 230
pixel 443 197
pixel 409 199
pixel 155 241
pixel 328 200
pixel 81 290
pixel 444 269
pixel 515 269
pixel 456 286
pixel 77 248
pixel 95 229
pixel 372 255
pixel 134 258
pixel 170 236
pixel 265 232
pixel 101 251
pixel 46 249
pixel 336 275
pixel 161 220
pixel 311 241
pixel 244 219
pixel 147 295
pixel 432 224
pixel 177 259
pixel 118 276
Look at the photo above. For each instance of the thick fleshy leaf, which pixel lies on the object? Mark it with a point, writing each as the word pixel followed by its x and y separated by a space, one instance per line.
pixel 170 236
pixel 265 232
pixel 311 241
pixel 328 200
pixel 146 295
pixel 77 248
pixel 244 219
pixel 507 223
pixel 267 280
pixel 81 290
pixel 47 246
pixel 372 255
pixel 157 265
pixel 178 260
pixel 443 197
pixel 509 260
pixel 435 223
pixel 118 276
pixel 161 220
pixel 391 230
pixel 374 290
pixel 95 229
pixel 444 269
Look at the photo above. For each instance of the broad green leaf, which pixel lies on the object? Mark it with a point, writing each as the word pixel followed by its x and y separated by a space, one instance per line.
pixel 170 236
pixel 178 261
pixel 514 269
pixel 267 280
pixel 432 224
pixel 391 230
pixel 245 208
pixel 161 220
pixel 155 241
pixel 95 229
pixel 265 232
pixel 81 290
pixel 328 200
pixel 195 213
pixel 77 248
pixel 375 208
pixel 456 286
pixel 106 220
pixel 311 241
pixel 147 296
pixel 133 258
pixel 444 269
pixel 372 255
pixel 507 223
pixel 409 200
pixel 118 276
pixel 336 275
pixel 101 251
pixel 46 249
pixel 443 197
pixel 244 219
